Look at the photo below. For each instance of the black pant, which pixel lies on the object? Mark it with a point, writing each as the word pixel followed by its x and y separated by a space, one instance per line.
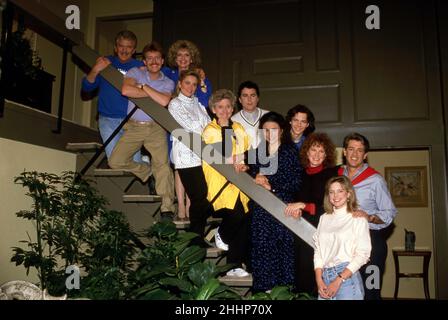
pixel 378 257
pixel 305 280
pixel 200 209
pixel 234 231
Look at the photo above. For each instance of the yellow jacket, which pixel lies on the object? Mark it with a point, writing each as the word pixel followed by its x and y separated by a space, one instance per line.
pixel 215 180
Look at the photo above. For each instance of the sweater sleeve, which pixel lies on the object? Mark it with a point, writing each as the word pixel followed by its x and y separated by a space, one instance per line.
pixel 318 261
pixel 363 245
pixel 86 86
pixel 202 96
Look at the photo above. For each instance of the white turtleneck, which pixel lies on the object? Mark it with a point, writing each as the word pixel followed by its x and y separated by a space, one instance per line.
pixel 193 117
pixel 339 238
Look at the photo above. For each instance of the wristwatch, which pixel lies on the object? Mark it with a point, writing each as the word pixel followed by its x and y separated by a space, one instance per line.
pixel 342 278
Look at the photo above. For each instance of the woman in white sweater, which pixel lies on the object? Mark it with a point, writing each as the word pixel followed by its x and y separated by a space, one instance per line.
pixel 342 244
pixel 193 117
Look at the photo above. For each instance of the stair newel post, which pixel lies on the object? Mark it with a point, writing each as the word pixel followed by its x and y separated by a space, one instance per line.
pixel 7 14
pixel 62 87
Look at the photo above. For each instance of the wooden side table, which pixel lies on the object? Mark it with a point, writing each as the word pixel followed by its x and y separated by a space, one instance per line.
pixel 426 254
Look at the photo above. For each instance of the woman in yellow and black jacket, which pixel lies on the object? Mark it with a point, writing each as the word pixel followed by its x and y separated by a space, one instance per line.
pixel 227 200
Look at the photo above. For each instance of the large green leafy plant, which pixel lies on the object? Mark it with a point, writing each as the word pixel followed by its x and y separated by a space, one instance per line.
pixel 73 227
pixel 170 269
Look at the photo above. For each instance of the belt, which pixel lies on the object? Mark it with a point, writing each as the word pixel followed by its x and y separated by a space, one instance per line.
pixel 141 122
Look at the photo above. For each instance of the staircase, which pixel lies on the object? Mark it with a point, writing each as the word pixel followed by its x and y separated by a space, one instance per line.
pixel 128 195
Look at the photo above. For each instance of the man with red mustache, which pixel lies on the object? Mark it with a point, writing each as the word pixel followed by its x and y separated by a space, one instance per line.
pixel 142 130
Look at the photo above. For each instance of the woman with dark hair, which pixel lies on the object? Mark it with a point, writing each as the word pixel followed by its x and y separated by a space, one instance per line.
pixel 318 156
pixel 299 123
pixel 272 242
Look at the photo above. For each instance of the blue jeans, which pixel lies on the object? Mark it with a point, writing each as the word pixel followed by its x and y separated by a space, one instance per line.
pixel 107 126
pixel 350 289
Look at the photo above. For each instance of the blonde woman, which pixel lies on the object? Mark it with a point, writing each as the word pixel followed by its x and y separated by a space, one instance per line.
pixel 189 113
pixel 342 244
pixel 228 201
pixel 184 55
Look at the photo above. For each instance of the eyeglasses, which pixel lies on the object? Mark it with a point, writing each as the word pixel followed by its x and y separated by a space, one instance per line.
pixel 151 59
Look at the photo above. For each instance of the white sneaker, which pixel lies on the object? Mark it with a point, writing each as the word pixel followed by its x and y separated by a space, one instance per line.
pixel 237 272
pixel 146 160
pixel 219 243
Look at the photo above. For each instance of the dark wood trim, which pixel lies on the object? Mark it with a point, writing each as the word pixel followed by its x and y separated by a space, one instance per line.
pixel 24 124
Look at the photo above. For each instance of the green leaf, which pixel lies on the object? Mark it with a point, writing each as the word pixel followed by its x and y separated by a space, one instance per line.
pixel 158 294
pixel 26 214
pixel 260 296
pixel 281 293
pixel 183 240
pixel 183 285
pixel 227 295
pixel 146 288
pixel 208 289
pixel 163 229
pixel 200 273
pixel 190 256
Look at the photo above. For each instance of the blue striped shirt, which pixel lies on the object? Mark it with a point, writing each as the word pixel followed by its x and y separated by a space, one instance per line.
pixel 374 198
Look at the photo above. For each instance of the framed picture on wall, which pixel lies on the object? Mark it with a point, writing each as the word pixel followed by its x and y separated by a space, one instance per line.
pixel 408 186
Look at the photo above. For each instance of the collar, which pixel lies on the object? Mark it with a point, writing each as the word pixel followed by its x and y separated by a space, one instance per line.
pixel 185 99
pixel 215 122
pixel 160 78
pixel 358 172
pixel 363 173
pixel 314 170
pixel 342 210
pixel 253 124
pixel 302 137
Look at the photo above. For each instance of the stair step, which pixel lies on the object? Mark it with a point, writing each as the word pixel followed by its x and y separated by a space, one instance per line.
pixel 184 224
pixel 237 281
pixel 214 252
pixel 146 198
pixel 83 146
pixel 111 173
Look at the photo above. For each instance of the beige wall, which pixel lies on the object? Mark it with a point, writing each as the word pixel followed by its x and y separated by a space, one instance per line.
pixel 15 157
pixel 419 220
pixel 110 8
pixel 142 29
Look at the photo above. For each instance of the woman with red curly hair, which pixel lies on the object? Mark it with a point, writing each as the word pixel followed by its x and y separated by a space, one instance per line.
pixel 318 156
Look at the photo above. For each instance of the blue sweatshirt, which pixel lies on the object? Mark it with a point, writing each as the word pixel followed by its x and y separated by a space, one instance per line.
pixel 111 103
